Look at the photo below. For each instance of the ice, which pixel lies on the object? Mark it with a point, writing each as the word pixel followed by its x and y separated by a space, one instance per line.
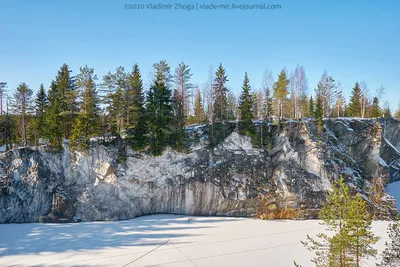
pixel 393 189
pixel 207 241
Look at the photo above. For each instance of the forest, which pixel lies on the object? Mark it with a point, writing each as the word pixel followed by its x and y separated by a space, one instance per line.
pixel 80 107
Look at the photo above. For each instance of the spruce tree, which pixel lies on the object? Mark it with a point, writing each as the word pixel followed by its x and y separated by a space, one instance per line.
pixel 268 103
pixel 177 125
pixel 354 108
pixel 138 124
pixel 86 125
pixel 311 108
pixel 232 106
pixel 375 109
pixel 40 108
pixel 53 117
pixel 22 106
pixel 66 86
pixel 115 88
pixel 159 113
pixel 391 253
pixel 281 91
pixel 198 108
pixel 318 113
pixel 220 95
pixel 245 107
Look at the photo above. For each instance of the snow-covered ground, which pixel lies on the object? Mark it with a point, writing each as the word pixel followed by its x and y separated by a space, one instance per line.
pixel 203 241
pixel 394 190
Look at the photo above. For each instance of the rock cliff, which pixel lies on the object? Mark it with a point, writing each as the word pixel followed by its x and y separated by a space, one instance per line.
pixel 236 177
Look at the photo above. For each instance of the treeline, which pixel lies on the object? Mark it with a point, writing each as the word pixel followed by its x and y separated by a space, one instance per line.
pixel 77 108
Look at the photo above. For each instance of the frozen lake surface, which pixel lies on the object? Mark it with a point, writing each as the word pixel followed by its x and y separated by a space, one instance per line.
pixel 203 241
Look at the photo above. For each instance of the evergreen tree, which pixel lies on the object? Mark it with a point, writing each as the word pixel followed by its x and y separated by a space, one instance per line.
pixel 115 88
pixel 346 217
pixel 354 108
pixel 198 108
pixel 326 87
pixel 268 103
pixel 311 108
pixel 220 95
pixel 177 125
pixel 318 114
pixel 163 71
pixel 159 113
pixel 53 116
pixel 40 108
pixel 86 125
pixel 281 91
pixel 304 105
pixel 245 107
pixel 375 109
pixel 391 253
pixel 138 124
pixel 231 107
pixel 22 106
pixel 183 86
pixel 66 86
pixel 387 113
pixel 358 227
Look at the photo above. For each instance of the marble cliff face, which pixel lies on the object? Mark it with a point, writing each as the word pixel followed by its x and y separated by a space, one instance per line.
pixel 234 178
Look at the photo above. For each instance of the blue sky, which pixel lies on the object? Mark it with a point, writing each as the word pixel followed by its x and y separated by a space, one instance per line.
pixel 352 40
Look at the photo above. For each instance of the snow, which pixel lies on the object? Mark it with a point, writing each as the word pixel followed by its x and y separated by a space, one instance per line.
pixel 393 189
pixel 206 241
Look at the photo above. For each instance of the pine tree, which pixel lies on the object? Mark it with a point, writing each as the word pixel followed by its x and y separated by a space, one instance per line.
pixel 198 108
pixel 183 86
pixel 391 253
pixel 346 217
pixel 40 108
pixel 318 114
pixel 159 113
pixel 358 227
pixel 281 91
pixel 22 106
pixel 163 71
pixel 375 109
pixel 66 85
pixel 220 95
pixel 245 107
pixel 86 125
pixel 311 108
pixel 326 87
pixel 54 108
pixel 138 123
pixel 354 108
